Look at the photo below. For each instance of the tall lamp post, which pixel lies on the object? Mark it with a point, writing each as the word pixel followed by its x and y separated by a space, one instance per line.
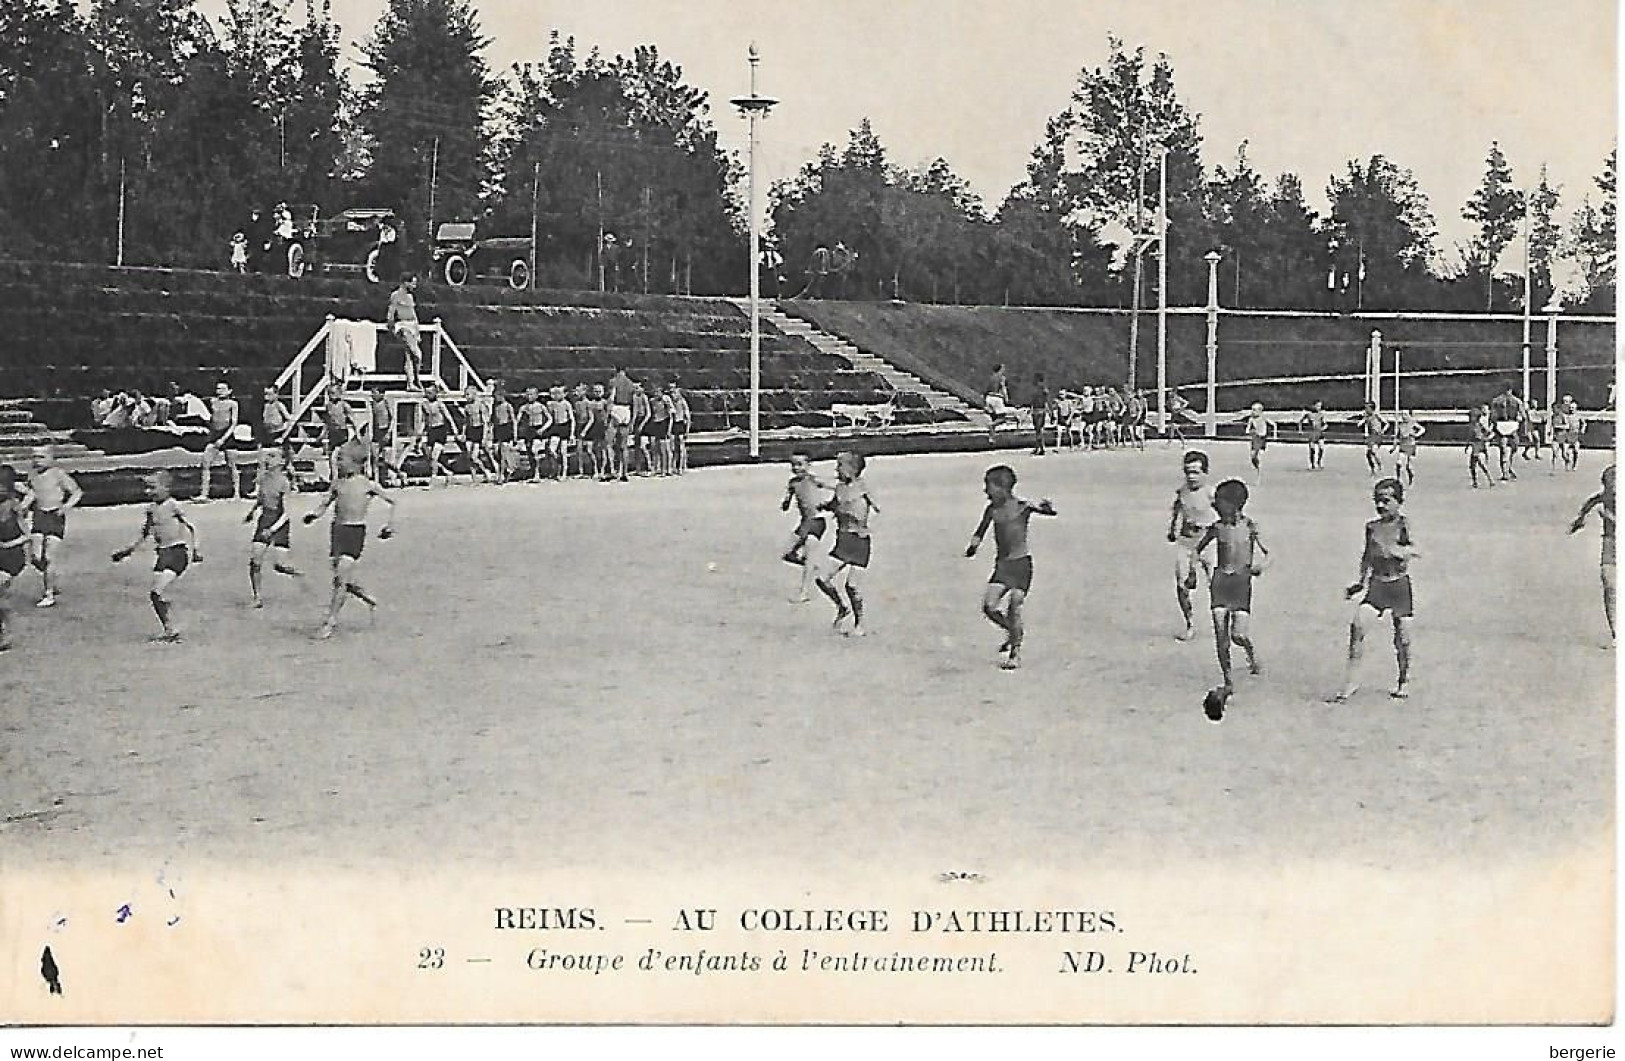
pixel 751 108
pixel 1213 258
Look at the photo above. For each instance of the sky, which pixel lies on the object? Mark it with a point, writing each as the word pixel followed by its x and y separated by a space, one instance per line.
pixel 1309 84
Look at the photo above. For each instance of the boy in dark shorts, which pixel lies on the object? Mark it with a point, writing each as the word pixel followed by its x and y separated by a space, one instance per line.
pixel 1385 584
pixel 1604 501
pixel 503 433
pixel 852 504
pixel 1314 424
pixel 1038 404
pixel 224 415
pixel 534 423
pixel 174 539
pixel 381 438
pixel 1192 513
pixel 1242 555
pixel 336 426
pixel 271 530
pixel 642 415
pixel 438 428
pixel 1372 429
pixel 581 440
pixel 51 495
pixel 598 433
pixel 1407 429
pixel 350 495
pixel 681 417
pixel 1012 577
pixel 1258 436
pixel 1480 432
pixel 806 490
pixel 13 546
pixel 560 430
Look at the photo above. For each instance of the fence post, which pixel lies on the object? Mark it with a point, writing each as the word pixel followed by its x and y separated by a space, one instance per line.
pixel 1551 361
pixel 1213 258
pixel 434 357
pixel 1373 370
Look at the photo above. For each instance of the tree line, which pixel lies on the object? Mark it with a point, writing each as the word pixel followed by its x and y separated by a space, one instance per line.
pixel 144 126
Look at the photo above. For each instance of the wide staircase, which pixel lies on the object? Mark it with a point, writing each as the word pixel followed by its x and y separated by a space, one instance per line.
pixel 76 330
pixel 21 434
pixel 908 389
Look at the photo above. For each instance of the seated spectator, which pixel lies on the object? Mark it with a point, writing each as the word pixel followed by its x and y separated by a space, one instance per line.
pixel 100 407
pixel 142 412
pixel 118 417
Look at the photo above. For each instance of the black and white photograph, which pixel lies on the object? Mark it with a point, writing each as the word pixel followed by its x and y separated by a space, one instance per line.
pixel 914 513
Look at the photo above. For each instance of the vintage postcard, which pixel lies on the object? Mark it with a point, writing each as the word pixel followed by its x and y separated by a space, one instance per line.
pixel 1136 548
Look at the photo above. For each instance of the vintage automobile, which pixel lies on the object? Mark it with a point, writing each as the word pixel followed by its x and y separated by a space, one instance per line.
pixel 460 254
pixel 369 240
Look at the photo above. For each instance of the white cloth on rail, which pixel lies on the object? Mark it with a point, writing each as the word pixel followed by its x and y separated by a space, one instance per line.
pixel 352 346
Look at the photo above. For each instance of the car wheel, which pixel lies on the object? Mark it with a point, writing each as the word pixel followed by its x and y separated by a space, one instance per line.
pixel 296 260
pixel 519 275
pixel 371 268
pixel 456 270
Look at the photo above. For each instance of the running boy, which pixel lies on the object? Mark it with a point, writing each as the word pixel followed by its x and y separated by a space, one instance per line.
pixel 1603 500
pixel 175 540
pixel 350 495
pixel 13 546
pixel 1013 564
pixel 51 494
pixel 1242 555
pixel 1385 582
pixel 1192 514
pixel 1479 434
pixel 807 491
pixel 271 532
pixel 1372 429
pixel 1258 436
pixel 1407 429
pixel 1314 423
pixel 852 504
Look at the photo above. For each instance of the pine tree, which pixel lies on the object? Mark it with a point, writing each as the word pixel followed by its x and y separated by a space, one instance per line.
pixel 1497 207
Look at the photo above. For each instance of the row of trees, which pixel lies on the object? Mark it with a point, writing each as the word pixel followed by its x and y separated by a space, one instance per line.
pixel 1064 234
pixel 156 131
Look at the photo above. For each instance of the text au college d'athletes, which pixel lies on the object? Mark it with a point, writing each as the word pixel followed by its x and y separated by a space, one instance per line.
pixel 785 919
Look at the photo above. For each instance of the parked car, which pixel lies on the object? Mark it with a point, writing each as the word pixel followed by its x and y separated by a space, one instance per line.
pixel 365 239
pixel 459 254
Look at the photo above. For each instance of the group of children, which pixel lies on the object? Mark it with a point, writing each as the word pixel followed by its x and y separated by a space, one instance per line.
pixel 34 515
pixel 608 431
pixel 1200 516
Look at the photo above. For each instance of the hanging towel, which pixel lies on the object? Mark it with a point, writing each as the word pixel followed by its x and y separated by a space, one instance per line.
pixel 352 346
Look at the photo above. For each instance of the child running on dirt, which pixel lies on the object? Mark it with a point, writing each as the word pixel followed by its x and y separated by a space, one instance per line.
pixel 1242 555
pixel 175 541
pixel 349 496
pixel 1012 578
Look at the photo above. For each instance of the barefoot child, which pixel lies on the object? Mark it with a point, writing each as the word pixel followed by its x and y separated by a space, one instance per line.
pixel 1192 513
pixel 806 490
pixel 852 504
pixel 1242 555
pixel 1407 429
pixel 175 541
pixel 1479 434
pixel 271 532
pixel 50 496
pixel 1603 500
pixel 350 496
pixel 1013 564
pixel 13 546
pixel 1314 424
pixel 1385 582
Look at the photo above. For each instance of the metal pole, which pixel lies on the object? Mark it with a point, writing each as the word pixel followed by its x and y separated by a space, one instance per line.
pixel 1551 360
pixel 1397 406
pixel 1213 259
pixel 120 258
pixel 434 177
pixel 1527 308
pixel 1373 370
pixel 535 190
pixel 755 284
pixel 1139 264
pixel 1162 294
